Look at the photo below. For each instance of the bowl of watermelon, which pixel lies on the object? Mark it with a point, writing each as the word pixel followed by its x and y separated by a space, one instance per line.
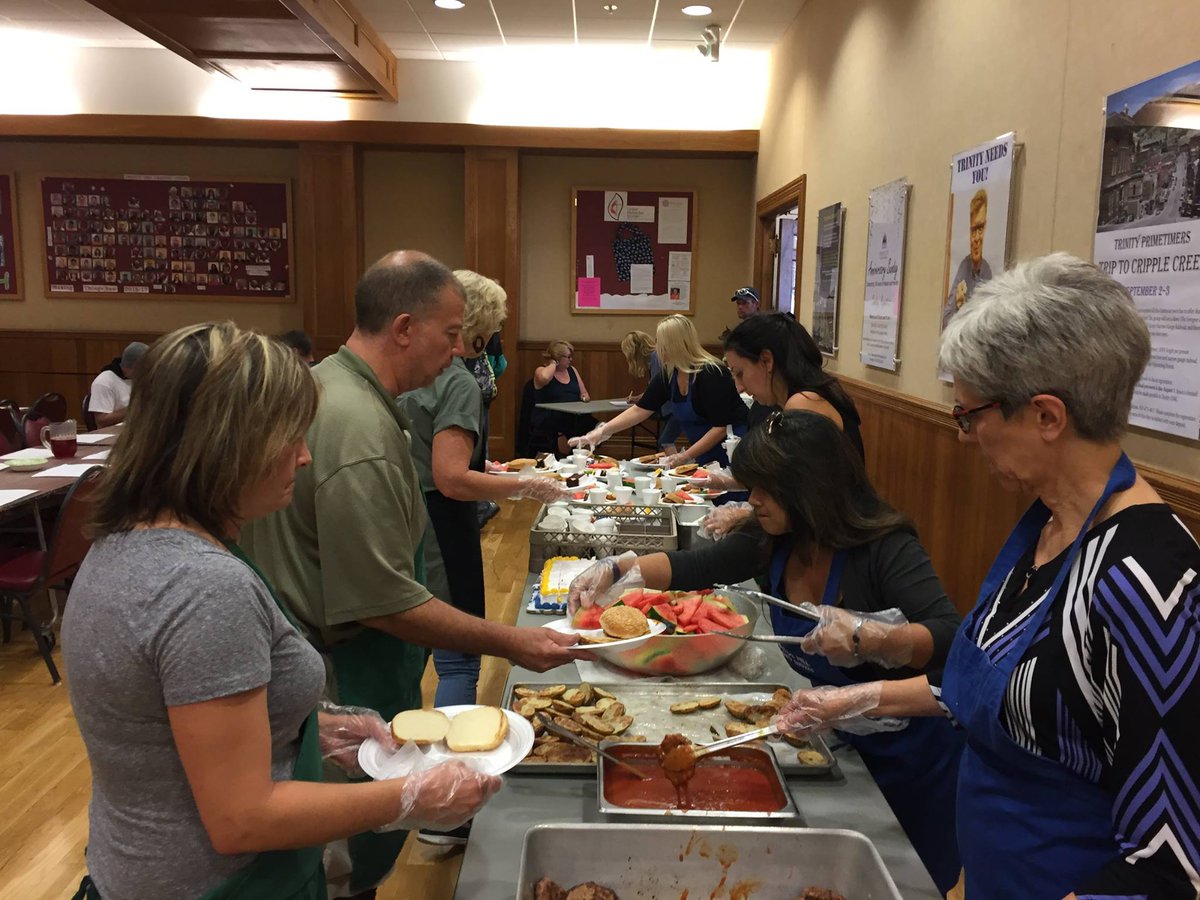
pixel 694 641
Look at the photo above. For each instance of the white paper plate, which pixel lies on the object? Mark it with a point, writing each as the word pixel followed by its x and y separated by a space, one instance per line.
pixel 699 498
pixel 563 626
pixel 382 762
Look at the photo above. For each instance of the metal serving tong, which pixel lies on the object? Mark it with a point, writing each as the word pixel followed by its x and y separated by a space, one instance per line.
pixel 758 733
pixel 581 741
pixel 807 612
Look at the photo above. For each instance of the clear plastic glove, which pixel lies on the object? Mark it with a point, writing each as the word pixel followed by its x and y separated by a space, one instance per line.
pixel 671 460
pixel 725 519
pixel 595 582
pixel 834 637
pixel 342 730
pixel 722 480
pixel 489 466
pixel 539 487
pixel 592 439
pixel 814 710
pixel 442 797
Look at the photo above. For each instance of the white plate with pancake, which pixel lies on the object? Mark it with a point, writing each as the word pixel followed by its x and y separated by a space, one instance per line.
pixel 382 762
pixel 563 626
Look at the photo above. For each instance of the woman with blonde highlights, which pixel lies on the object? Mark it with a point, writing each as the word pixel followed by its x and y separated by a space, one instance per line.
pixel 706 403
pixel 558 381
pixel 196 695
pixel 642 358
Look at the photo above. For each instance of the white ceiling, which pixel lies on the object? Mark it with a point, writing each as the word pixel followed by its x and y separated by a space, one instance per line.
pixel 416 29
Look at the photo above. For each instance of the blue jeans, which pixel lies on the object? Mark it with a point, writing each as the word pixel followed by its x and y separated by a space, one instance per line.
pixel 458 676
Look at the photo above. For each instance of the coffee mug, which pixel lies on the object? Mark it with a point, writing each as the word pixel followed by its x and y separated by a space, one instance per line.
pixel 59 438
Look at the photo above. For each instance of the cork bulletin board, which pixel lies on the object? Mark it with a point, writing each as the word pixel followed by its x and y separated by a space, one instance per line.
pixel 157 236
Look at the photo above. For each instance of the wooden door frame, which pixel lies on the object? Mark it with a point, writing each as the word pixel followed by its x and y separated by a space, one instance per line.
pixel 765 211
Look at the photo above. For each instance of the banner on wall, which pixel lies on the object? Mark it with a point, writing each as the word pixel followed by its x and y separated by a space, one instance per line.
pixel 1148 236
pixel 980 199
pixel 886 228
pixel 828 279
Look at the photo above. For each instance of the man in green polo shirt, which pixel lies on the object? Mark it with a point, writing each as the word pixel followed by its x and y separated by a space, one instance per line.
pixel 345 556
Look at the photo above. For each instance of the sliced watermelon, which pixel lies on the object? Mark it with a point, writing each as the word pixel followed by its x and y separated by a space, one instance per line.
pixel 587 617
pixel 687 609
pixel 665 612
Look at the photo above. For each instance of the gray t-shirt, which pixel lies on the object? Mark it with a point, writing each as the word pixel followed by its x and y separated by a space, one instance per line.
pixel 452 401
pixel 160 618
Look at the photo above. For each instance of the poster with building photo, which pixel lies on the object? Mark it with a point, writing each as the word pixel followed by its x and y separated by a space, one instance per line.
pixel 828 278
pixel 980 200
pixel 1148 236
pixel 886 227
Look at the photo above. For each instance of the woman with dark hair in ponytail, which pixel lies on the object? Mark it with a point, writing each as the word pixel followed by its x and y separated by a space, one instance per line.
pixel 776 361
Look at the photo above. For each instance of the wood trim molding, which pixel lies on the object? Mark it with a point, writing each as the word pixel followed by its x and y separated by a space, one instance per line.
pixel 765 210
pixel 410 135
pixel 344 29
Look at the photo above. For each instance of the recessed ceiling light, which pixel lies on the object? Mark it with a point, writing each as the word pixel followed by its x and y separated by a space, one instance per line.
pixel 449 4
pixel 610 8
pixel 697 10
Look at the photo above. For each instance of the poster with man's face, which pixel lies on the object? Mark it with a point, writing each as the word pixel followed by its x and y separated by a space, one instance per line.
pixel 977 245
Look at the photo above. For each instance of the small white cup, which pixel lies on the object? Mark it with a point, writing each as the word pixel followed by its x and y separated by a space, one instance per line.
pixel 606 526
pixel 669 483
pixel 568 470
pixel 613 477
pixel 643 483
pixel 583 526
pixel 623 494
pixel 561 504
pixel 580 457
pixel 650 496
pixel 598 495
pixel 692 513
pixel 553 523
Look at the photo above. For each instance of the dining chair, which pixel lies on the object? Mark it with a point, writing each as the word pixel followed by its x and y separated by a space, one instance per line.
pixel 89 417
pixel 26 573
pixel 11 436
pixel 50 407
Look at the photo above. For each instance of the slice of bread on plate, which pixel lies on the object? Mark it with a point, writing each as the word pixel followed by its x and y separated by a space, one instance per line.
pixel 482 728
pixel 420 726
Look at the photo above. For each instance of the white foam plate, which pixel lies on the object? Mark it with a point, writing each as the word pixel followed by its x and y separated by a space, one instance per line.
pixel 700 498
pixel 382 762
pixel 644 467
pixel 563 626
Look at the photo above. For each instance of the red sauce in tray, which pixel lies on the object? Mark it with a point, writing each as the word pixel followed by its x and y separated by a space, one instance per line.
pixel 743 781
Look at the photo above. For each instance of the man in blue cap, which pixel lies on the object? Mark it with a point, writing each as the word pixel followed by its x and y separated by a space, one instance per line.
pixel 747 300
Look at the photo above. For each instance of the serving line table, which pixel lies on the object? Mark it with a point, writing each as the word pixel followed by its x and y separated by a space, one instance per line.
pixel 588 407
pixel 847 800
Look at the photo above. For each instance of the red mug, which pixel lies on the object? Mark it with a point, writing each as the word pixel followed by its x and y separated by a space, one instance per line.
pixel 59 439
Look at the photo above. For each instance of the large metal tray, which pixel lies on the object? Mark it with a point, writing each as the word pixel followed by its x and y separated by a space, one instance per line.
pixel 669 861
pixel 649 704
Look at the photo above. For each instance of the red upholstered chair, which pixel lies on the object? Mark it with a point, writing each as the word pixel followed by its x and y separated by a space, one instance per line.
pixel 51 407
pixel 25 574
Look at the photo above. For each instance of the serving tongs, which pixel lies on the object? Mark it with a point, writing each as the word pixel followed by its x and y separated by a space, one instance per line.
pixel 581 741
pixel 766 731
pixel 805 611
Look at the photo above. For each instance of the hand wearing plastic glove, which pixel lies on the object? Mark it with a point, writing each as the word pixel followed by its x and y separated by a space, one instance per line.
pixel 725 519
pixel 592 439
pixel 671 460
pixel 821 709
pixel 539 487
pixel 848 638
pixel 489 466
pixel 722 481
pixel 342 730
pixel 595 580
pixel 442 798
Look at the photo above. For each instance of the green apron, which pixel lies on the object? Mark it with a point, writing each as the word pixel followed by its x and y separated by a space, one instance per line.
pixel 381 672
pixel 275 874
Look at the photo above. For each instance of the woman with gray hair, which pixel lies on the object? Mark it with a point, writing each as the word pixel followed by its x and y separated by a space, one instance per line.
pixel 1077 675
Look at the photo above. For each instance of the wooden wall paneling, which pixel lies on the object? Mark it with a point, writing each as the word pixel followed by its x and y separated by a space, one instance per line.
pixel 493 248
pixel 329 241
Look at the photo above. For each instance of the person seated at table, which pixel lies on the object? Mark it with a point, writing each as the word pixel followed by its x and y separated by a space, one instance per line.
pixel 1076 677
pixel 110 389
pixel 300 342
pixel 642 359
pixel 558 381
pixel 706 403
pixel 829 540
pixel 196 696
pixel 774 359
pixel 449 447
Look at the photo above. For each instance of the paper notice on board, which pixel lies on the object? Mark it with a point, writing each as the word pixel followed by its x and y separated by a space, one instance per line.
pixel 587 294
pixel 590 265
pixel 641 278
pixel 679 292
pixel 614 205
pixel 638 214
pixel 672 220
pixel 679 265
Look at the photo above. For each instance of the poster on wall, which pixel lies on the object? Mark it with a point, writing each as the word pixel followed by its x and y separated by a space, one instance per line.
pixel 10 251
pixel 980 201
pixel 886 226
pixel 1148 236
pixel 153 236
pixel 828 279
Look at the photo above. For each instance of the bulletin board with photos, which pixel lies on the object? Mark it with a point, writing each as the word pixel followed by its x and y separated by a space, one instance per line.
pixel 10 248
pixel 633 251
pixel 155 236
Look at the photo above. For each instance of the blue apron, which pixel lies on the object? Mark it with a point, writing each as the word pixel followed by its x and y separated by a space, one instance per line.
pixel 916 769
pixel 1027 825
pixel 692 425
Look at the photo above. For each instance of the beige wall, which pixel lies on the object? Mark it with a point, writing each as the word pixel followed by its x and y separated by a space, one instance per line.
pixel 37 311
pixel 725 213
pixel 864 91
pixel 415 201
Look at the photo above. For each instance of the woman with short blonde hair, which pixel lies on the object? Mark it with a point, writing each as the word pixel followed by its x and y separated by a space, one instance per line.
pixel 706 403
pixel 195 694
pixel 558 381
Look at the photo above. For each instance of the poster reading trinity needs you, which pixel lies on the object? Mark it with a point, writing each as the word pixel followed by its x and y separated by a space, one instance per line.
pixel 1148 237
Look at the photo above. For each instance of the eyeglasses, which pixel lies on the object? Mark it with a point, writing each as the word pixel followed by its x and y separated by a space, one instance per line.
pixel 963 416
